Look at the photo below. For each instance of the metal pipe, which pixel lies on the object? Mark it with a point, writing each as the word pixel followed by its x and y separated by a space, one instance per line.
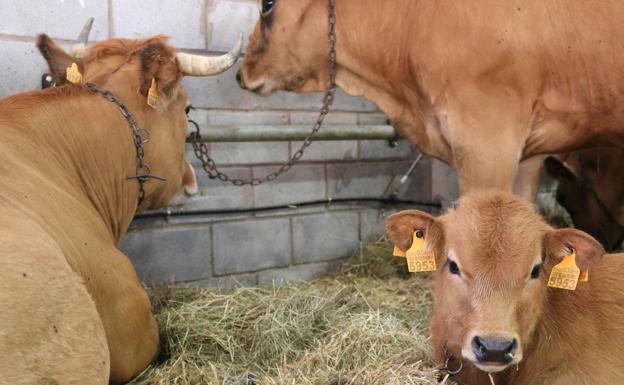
pixel 274 133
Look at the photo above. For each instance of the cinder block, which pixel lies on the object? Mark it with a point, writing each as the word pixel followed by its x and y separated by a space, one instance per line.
pixel 300 273
pixel 372 223
pixel 324 237
pixel 223 92
pixel 226 19
pixel 59 19
pixel 381 149
pixel 249 152
pixel 241 247
pixel 300 183
pixel 374 179
pixel 236 118
pixel 184 21
pixel 215 194
pixel 243 280
pixel 327 150
pixel 21 67
pixel 169 255
pixel 444 186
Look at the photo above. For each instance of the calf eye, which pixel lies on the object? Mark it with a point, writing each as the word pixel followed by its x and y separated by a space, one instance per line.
pixel 535 273
pixel 453 268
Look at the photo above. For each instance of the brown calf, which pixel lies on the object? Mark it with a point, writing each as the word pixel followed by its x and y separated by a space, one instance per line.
pixel 493 309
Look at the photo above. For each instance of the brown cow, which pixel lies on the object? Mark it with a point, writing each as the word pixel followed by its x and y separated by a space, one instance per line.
pixel 591 189
pixel 493 309
pixel 479 86
pixel 73 309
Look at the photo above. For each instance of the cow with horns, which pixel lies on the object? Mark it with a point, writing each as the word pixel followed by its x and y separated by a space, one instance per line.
pixel 77 162
pixel 480 87
pixel 494 313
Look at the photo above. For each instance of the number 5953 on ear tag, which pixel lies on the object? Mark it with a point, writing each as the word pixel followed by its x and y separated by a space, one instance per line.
pixel 420 259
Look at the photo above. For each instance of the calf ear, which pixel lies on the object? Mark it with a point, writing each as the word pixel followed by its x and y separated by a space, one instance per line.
pixel 557 169
pixel 400 228
pixel 57 59
pixel 559 242
pixel 158 62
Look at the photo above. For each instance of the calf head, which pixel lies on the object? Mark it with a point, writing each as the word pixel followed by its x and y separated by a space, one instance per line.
pixel 132 69
pixel 494 254
pixel 288 48
pixel 577 193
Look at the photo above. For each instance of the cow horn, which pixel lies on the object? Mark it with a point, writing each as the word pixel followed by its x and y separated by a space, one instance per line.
pixel 78 50
pixel 196 65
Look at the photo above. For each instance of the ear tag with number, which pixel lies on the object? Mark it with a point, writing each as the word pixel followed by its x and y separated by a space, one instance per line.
pixel 584 276
pixel 152 94
pixel 398 252
pixel 73 75
pixel 565 275
pixel 420 259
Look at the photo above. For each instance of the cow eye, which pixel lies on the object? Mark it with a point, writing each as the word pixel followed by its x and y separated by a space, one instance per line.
pixel 453 268
pixel 535 273
pixel 188 109
pixel 267 6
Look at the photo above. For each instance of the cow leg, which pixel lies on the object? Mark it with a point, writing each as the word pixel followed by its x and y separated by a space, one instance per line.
pixel 126 314
pixel 50 331
pixel 528 177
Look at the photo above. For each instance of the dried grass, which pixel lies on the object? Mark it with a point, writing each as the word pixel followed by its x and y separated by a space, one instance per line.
pixel 365 325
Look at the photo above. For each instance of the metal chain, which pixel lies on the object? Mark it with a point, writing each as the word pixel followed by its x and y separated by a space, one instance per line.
pixel 140 137
pixel 201 149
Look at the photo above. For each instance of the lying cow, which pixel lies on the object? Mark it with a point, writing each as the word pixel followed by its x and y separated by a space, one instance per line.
pixel 493 310
pixel 73 309
pixel 479 86
pixel 591 189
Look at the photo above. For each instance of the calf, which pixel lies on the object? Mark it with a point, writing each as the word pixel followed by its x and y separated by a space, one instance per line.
pixel 494 311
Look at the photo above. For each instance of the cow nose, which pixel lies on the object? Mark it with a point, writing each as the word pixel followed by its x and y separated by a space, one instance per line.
pixel 239 79
pixel 494 349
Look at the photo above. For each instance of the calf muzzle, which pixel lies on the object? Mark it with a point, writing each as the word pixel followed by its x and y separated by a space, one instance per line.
pixel 494 350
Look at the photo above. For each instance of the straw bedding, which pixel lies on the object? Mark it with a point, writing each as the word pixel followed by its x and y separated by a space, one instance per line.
pixel 367 324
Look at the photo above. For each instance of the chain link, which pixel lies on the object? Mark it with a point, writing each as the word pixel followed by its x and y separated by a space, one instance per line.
pixel 140 136
pixel 208 164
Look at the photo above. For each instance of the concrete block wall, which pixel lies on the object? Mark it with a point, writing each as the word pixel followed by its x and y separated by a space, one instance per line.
pixel 245 248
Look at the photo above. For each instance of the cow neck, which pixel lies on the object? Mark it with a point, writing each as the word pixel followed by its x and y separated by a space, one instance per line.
pixel 364 68
pixel 91 148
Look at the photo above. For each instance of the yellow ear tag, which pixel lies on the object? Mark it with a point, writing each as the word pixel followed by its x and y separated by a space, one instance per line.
pixel 565 275
pixel 584 276
pixel 73 75
pixel 398 252
pixel 419 259
pixel 152 94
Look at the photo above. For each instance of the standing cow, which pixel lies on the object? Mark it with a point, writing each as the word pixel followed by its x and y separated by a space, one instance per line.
pixel 493 310
pixel 481 86
pixel 72 308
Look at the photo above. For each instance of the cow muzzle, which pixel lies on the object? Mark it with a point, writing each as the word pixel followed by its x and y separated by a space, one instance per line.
pixel 493 353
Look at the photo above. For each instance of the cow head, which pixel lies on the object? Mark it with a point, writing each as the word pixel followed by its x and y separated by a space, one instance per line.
pixel 588 211
pixel 129 69
pixel 494 254
pixel 287 49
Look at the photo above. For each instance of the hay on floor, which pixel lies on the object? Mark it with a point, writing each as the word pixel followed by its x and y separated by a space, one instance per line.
pixel 365 325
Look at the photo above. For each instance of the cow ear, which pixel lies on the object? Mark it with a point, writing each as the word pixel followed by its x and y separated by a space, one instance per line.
pixel 559 243
pixel 557 169
pixel 400 228
pixel 160 71
pixel 57 59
